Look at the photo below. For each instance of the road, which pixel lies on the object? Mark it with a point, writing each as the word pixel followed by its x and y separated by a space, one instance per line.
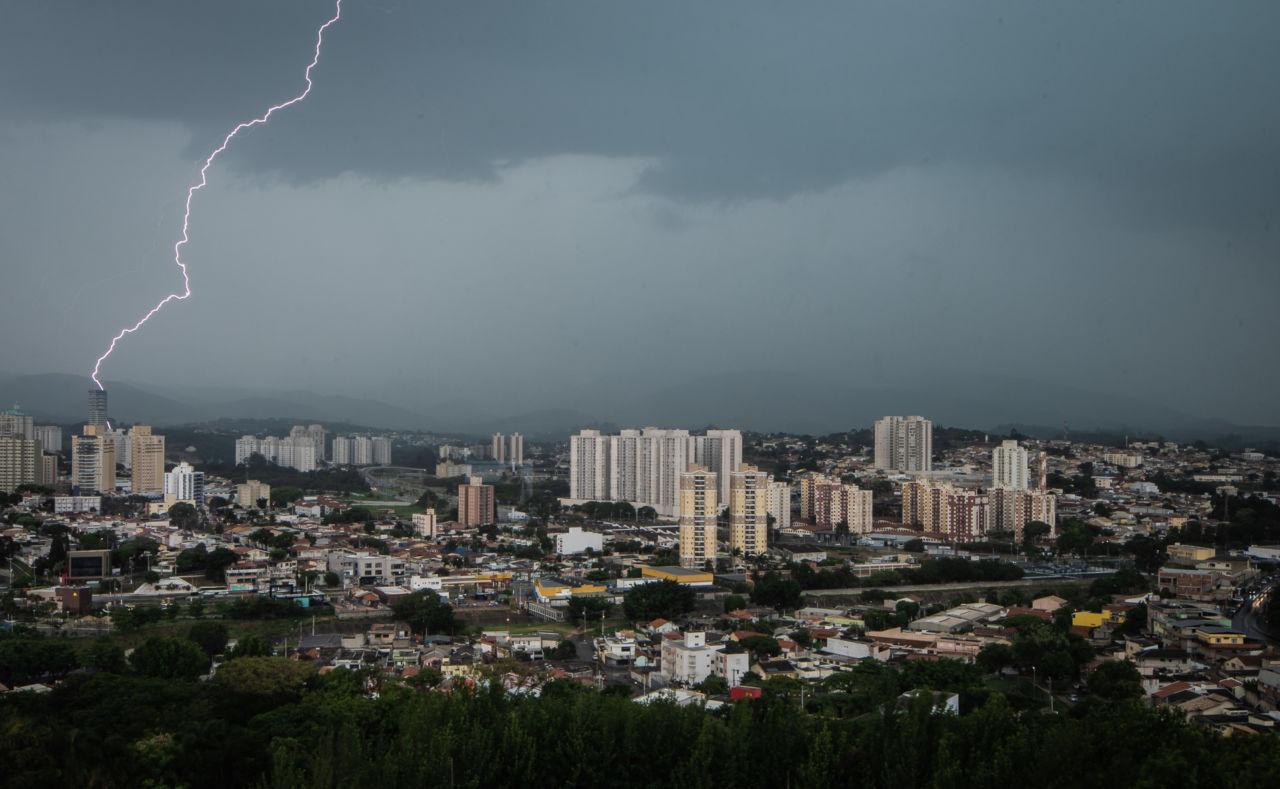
pixel 1036 581
pixel 1245 619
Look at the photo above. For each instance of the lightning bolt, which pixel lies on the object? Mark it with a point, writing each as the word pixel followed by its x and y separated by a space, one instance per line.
pixel 191 191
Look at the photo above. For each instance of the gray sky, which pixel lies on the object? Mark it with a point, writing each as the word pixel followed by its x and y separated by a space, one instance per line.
pixel 514 201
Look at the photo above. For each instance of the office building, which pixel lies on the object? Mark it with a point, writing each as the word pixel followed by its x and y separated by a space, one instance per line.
pixel 15 423
pixel 49 436
pixel 1009 469
pixel 748 511
pixel 21 462
pixel 699 508
pixel 147 454
pixel 476 503
pixel 780 504
pixel 251 492
pixel 184 484
pixel 98 410
pixel 93 462
pixel 904 443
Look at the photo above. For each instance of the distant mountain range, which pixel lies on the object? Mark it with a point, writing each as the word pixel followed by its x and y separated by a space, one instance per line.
pixel 751 401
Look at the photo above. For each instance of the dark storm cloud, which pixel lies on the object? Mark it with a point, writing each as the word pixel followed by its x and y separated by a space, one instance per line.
pixel 1172 102
pixel 564 193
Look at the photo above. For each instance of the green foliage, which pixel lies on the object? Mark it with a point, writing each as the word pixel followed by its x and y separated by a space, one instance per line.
pixel 588 609
pixel 275 677
pixel 658 600
pixel 1116 680
pixel 257 607
pixel 774 591
pixel 184 516
pixel 761 646
pixel 734 602
pixel 165 657
pixel 104 654
pixel 24 660
pixel 250 646
pixel 425 612
pixel 565 650
pixel 210 636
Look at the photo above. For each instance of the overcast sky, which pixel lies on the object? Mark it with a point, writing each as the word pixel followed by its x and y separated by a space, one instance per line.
pixel 537 195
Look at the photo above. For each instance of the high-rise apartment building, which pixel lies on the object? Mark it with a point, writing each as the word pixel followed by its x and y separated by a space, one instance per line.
pixel 904 443
pixel 699 508
pixel 424 524
pixel 362 451
pixel 780 504
pixel 748 511
pixel 341 451
pixel 1012 510
pixel 49 436
pixel 643 467
pixel 721 452
pixel 93 462
pixel 98 409
pixel 946 511
pixel 48 475
pixel 15 423
pixel 184 484
pixel 835 505
pixel 292 452
pixel 589 466
pixel 515 452
pixel 476 503
pixel 147 454
pixel 380 451
pixel 21 462
pixel 498 448
pixel 1009 467
pixel 250 492
pixel 313 433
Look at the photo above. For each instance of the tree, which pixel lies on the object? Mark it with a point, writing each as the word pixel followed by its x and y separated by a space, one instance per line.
pixel 995 657
pixel 275 677
pixel 734 602
pixel 166 657
pixel 184 516
pixel 425 612
pixel 218 560
pixel 776 592
pixel 587 609
pixel 565 650
pixel 210 636
pixel 664 599
pixel 1116 680
pixel 761 646
pixel 105 654
pixel 250 646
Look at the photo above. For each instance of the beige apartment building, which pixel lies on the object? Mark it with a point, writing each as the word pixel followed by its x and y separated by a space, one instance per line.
pixel 147 449
pixel 93 462
pixel 699 506
pixel 748 511
pixel 20 462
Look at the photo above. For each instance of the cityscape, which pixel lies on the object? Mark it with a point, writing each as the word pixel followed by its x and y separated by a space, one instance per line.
pixel 602 395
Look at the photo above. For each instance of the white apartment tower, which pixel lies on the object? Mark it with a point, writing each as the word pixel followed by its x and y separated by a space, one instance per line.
pixel 341 451
pixel 1009 467
pixel 749 511
pixel 699 508
pixel 589 466
pixel 186 484
pixel 904 443
pixel 780 504
pixel 720 451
